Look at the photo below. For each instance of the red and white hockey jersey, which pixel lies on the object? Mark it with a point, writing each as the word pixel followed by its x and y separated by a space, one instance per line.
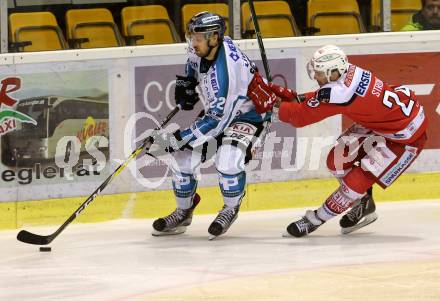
pixel 389 111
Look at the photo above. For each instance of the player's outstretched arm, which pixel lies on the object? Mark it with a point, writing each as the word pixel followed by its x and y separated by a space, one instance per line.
pixel 265 95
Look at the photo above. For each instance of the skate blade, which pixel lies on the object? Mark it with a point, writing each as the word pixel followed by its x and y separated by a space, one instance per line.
pixel 176 231
pixel 368 219
pixel 212 237
pixel 287 234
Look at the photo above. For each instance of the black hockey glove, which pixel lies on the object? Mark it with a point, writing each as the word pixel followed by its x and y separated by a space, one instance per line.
pixel 185 92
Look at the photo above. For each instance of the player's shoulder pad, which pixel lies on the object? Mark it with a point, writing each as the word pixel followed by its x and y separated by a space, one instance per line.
pixel 193 59
pixel 350 75
pixel 358 80
pixel 231 49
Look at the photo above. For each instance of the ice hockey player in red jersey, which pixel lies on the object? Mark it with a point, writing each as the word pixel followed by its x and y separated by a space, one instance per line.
pixel 388 133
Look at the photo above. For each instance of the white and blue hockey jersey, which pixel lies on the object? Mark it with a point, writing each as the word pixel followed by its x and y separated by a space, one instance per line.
pixel 224 83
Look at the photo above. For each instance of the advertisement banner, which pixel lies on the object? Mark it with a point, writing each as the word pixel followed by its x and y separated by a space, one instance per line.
pixel 53 125
pixel 154 95
pixel 418 72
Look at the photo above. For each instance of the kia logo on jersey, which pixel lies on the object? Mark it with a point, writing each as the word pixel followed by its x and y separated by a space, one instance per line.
pixel 243 128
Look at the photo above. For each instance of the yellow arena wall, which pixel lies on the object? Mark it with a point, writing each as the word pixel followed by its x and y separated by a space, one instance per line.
pixel 261 196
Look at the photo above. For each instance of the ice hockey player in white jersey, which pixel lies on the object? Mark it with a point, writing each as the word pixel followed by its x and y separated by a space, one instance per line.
pixel 229 121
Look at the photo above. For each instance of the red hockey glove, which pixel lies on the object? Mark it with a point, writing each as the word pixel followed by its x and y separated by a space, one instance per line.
pixel 261 94
pixel 285 94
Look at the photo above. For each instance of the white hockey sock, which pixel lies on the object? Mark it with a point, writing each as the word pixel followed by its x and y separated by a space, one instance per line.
pixel 313 218
pixel 233 202
pixel 338 202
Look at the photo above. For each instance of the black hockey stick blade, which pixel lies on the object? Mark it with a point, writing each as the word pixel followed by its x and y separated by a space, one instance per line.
pixel 34 239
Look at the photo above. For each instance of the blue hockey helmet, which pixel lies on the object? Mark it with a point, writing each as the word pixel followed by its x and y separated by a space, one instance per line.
pixel 206 22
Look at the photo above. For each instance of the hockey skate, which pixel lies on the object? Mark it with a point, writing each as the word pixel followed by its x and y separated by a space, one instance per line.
pixel 176 222
pixel 223 221
pixel 306 225
pixel 360 215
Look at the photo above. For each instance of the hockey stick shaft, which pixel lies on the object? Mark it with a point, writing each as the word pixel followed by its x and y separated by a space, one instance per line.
pixel 31 238
pixel 262 52
pixel 260 40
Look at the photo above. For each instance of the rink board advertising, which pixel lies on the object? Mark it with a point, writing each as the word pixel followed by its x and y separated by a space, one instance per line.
pixel 40 93
pixel 53 125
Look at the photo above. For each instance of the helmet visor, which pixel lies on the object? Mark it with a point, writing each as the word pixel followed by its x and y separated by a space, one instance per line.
pixel 197 37
pixel 200 29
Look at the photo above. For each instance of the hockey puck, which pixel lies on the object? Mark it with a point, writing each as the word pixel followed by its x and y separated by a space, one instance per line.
pixel 45 249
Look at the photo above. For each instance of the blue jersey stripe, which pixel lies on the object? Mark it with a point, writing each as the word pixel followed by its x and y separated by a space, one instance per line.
pixel 232 115
pixel 206 124
pixel 221 70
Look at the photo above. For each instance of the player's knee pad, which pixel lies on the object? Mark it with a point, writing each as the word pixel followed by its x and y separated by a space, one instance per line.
pixel 185 162
pixel 230 159
pixel 232 186
pixel 184 185
pixel 348 150
pixel 337 168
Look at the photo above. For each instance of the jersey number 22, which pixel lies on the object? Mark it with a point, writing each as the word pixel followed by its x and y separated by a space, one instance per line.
pixel 406 108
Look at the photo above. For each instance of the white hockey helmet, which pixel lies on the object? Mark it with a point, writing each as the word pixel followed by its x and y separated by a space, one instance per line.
pixel 327 59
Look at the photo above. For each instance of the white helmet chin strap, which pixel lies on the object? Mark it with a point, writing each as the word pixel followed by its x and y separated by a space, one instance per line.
pixel 328 75
pixel 311 70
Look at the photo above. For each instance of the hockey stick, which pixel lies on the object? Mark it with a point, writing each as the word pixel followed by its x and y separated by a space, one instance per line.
pixel 261 46
pixel 35 239
pixel 260 41
pixel 263 56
